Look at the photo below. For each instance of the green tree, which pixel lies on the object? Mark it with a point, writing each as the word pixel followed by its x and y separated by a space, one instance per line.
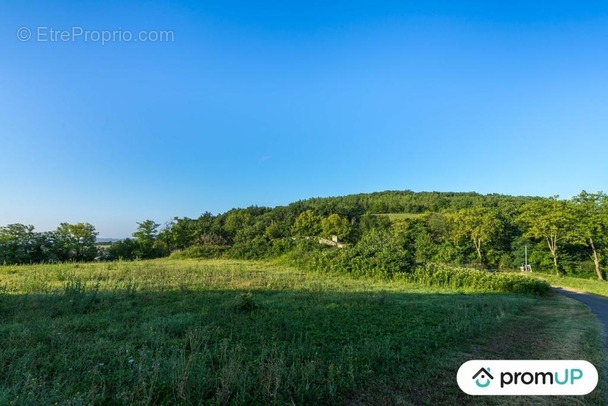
pixel 551 220
pixel 235 220
pixel 478 224
pixel 178 234
pixel 208 227
pixel 424 246
pixel 146 234
pixel 438 226
pixel 591 226
pixel 274 230
pixel 17 244
pixel 334 224
pixel 383 251
pixel 126 249
pixel 369 222
pixel 307 224
pixel 75 242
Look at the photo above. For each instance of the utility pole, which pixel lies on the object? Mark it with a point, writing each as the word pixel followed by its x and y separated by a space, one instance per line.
pixel 526 256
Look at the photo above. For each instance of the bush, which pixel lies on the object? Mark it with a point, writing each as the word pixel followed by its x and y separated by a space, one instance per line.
pixel 281 246
pixel 463 278
pixel 306 253
pixel 378 253
pixel 258 248
pixel 125 249
pixel 200 251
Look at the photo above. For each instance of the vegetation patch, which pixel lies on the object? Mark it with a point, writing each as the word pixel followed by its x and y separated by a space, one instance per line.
pixel 243 332
pixel 380 233
pixel 578 284
pixel 475 280
pixel 246 303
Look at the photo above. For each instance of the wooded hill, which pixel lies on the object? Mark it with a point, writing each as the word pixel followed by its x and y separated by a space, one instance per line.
pixel 390 231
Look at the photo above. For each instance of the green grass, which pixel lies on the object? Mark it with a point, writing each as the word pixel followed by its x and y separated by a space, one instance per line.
pixel 239 332
pixel 579 284
pixel 476 280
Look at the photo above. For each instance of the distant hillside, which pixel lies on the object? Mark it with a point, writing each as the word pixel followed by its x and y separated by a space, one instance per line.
pixel 105 239
pixel 407 201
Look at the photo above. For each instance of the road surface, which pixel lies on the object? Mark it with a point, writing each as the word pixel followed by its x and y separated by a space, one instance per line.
pixel 597 304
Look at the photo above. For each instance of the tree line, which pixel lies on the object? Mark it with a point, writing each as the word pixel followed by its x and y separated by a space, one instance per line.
pixel 392 231
pixel 20 244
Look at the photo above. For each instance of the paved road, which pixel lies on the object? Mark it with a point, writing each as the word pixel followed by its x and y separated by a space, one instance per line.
pixel 597 304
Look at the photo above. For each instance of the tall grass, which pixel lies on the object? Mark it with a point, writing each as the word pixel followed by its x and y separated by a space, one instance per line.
pixel 594 286
pixel 475 280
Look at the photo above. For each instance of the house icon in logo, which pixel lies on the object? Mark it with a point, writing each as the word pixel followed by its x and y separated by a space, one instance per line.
pixel 483 373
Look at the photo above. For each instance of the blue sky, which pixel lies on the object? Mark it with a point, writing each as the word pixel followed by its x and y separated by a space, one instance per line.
pixel 265 103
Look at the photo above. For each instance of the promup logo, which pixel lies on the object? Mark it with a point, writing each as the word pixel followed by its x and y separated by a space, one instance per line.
pixel 483 374
pixel 493 378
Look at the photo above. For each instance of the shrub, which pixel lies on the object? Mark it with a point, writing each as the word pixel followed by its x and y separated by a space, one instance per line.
pixel 378 253
pixel 306 253
pixel 200 251
pixel 281 246
pixel 464 278
pixel 257 248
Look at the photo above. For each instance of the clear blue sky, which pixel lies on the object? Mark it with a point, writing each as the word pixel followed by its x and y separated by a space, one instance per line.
pixel 265 103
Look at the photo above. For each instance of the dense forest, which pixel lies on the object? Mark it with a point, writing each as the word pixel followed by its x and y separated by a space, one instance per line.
pixel 384 232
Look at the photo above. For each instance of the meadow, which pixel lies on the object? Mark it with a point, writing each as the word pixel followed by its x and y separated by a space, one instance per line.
pixel 252 332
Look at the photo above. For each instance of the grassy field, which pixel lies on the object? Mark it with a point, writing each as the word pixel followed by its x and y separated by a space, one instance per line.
pixel 239 332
